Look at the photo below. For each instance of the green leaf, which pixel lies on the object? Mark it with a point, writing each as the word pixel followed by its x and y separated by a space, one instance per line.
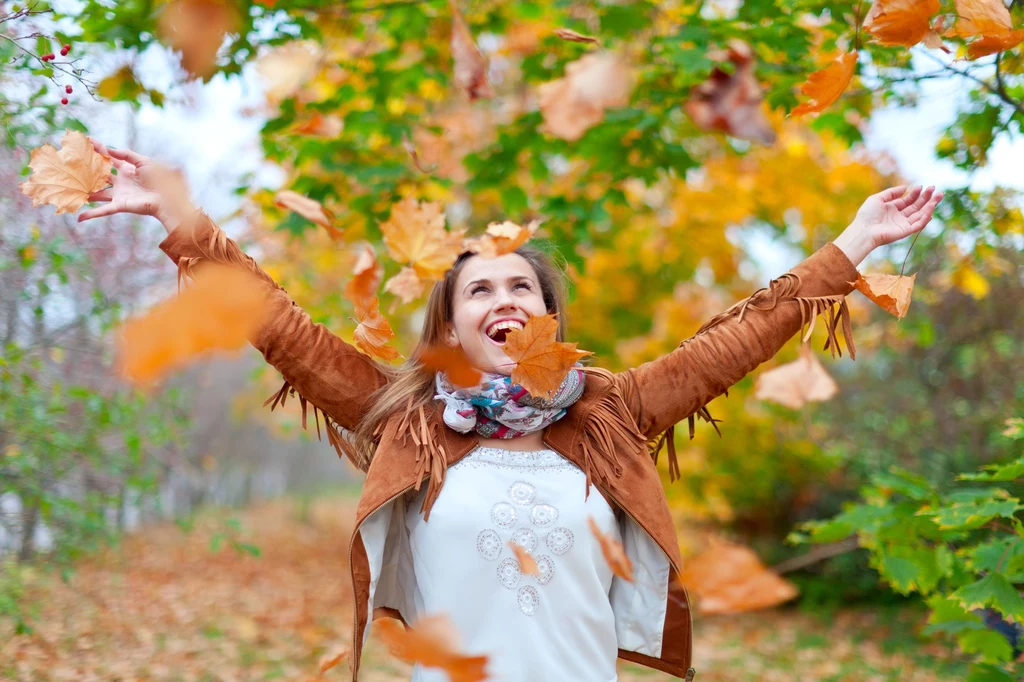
pixel 993 590
pixel 983 672
pixel 997 472
pixel 948 616
pixel 1003 555
pixel 975 514
pixel 992 645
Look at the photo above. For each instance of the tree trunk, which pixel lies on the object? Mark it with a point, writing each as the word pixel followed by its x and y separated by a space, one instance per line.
pixel 30 520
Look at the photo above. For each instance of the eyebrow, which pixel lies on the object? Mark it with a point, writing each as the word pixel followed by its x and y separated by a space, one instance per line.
pixel 514 278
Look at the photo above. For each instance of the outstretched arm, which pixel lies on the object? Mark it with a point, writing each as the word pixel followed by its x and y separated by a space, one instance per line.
pixel 324 370
pixel 727 347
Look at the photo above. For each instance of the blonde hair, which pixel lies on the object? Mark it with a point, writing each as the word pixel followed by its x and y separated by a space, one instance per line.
pixel 411 385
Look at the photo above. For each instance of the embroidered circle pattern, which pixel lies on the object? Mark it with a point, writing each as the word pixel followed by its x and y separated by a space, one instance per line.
pixel 509 573
pixel 546 568
pixel 543 515
pixel 522 493
pixel 528 600
pixel 503 514
pixel 488 543
pixel 559 540
pixel 526 538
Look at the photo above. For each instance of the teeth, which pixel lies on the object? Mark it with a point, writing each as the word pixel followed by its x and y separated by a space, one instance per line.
pixel 504 324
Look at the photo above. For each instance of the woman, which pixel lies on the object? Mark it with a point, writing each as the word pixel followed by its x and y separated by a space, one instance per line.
pixel 515 468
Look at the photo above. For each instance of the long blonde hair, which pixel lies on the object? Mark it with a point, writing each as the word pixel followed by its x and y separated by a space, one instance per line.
pixel 411 385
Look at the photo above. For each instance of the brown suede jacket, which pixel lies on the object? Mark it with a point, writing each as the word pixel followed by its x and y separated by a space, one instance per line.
pixel 613 432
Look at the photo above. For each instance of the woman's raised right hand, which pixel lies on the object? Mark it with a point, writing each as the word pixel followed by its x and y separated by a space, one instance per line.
pixel 143 187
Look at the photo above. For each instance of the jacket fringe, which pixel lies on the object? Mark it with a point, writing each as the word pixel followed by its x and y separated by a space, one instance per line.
pixel 335 435
pixel 431 458
pixel 606 423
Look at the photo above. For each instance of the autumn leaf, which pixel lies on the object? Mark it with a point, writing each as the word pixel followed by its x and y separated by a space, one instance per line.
pixel 453 362
pixel 319 125
pixel 432 643
pixel 527 564
pixel 310 209
pixel 374 331
pixel 197 28
pixel 900 22
pixel 542 363
pixel 501 238
pixel 222 309
pixel 990 22
pixel 796 383
pixel 470 65
pixel 613 552
pixel 366 277
pixel 576 102
pixel 891 292
pixel 730 100
pixel 986 45
pixel 288 67
pixel 415 234
pixel 730 578
pixel 66 178
pixel 410 147
pixel 331 660
pixel 825 86
pixel 573 36
pixel 406 285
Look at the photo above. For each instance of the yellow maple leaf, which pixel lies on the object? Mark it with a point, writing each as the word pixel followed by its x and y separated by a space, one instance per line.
pixel 415 234
pixel 501 238
pixel 891 292
pixel 824 87
pixel 65 179
pixel 406 285
pixel 542 363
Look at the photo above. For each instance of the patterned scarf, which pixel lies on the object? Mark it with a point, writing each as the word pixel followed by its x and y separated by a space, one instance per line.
pixel 497 408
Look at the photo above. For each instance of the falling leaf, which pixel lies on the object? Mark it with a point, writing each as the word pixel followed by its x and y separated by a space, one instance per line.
pixel 986 45
pixel 415 234
pixel 729 578
pixel 970 281
pixel 366 277
pixel 891 292
pixel 470 65
pixel 613 552
pixel 328 662
pixel 122 85
pixel 576 102
pixel 374 331
pixel 900 22
pixel 824 87
pixel 796 383
pixel 542 363
pixel 573 36
pixel 222 309
pixel 731 100
pixel 501 238
pixel 197 28
pixel 66 178
pixel 288 67
pixel 454 363
pixel 318 125
pixel 408 146
pixel 310 209
pixel 406 285
pixel 990 22
pixel 527 564
pixel 432 643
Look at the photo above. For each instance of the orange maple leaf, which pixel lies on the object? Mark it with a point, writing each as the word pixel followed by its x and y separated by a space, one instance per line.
pixel 891 292
pixel 310 209
pixel 501 238
pixel 66 178
pixel 527 564
pixel 990 22
pixel 415 234
pixel 406 285
pixel 374 331
pixel 729 578
pixel 575 103
pixel 613 552
pixel 197 28
pixel 796 383
pixel 825 86
pixel 432 643
pixel 542 362
pixel 331 660
pixel 470 65
pixel 366 277
pixel 900 22
pixel 454 363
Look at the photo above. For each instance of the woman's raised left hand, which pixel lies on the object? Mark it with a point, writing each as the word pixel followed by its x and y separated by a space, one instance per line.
pixel 886 217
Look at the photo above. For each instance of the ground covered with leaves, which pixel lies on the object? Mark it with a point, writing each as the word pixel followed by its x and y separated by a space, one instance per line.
pixel 264 595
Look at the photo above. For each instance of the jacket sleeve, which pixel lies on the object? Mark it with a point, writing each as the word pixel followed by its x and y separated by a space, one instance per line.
pixel 727 347
pixel 322 369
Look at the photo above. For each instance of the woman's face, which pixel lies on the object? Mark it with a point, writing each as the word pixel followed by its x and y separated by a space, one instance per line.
pixel 492 296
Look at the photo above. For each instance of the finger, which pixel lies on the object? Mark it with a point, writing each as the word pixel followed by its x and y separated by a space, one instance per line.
pixel 102 195
pixel 128 155
pixel 923 199
pixel 924 215
pixel 908 198
pixel 98 212
pixel 892 193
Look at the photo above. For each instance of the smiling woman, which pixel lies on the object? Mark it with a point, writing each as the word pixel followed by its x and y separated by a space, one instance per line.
pixel 503 466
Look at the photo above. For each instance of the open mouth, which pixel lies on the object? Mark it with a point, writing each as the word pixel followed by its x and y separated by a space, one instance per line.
pixel 498 331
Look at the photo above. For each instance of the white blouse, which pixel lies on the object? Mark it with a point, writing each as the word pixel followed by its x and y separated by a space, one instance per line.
pixel 554 627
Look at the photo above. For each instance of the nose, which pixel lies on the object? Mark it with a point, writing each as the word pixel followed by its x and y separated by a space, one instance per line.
pixel 504 301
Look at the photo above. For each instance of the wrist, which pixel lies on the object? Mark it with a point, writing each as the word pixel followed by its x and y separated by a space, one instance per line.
pixel 172 219
pixel 855 243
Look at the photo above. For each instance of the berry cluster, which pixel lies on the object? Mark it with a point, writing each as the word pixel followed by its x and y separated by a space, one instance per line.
pixel 50 57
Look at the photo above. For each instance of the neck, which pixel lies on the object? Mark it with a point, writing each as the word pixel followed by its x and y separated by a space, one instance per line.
pixel 531 442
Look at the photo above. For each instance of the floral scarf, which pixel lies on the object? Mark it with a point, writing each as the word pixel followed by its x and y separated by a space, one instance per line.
pixel 497 408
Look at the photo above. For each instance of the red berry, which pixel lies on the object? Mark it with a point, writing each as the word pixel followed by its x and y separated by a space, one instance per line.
pixel 45 57
pixel 51 56
pixel 64 100
pixel 67 89
pixel 66 48
pixel 63 53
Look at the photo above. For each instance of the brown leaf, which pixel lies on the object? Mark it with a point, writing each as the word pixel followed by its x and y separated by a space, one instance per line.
pixel 432 643
pixel 891 292
pixel 366 277
pixel 221 310
pixel 66 178
pixel 527 564
pixel 542 363
pixel 286 68
pixel 197 28
pixel 986 45
pixel 470 65
pixel 406 285
pixel 982 18
pixel 731 102
pixel 501 238
pixel 408 146
pixel 613 552
pixel 319 125
pixel 729 578
pixel 310 209
pixel 329 661
pixel 796 383
pixel 374 331
pixel 575 103
pixel 415 234
pixel 573 36
pixel 825 86
pixel 900 22
pixel 454 363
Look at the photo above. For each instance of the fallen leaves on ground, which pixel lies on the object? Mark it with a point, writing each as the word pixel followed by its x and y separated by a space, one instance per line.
pixel 542 362
pixel 576 102
pixel 891 292
pixel 730 578
pixel 221 310
pixel 470 66
pixel 374 331
pixel 613 552
pixel 415 234
pixel 824 87
pixel 454 363
pixel 501 238
pixel 433 643
pixel 901 22
pixel 310 209
pixel 66 178
pixel 731 100
pixel 796 383
pixel 197 28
